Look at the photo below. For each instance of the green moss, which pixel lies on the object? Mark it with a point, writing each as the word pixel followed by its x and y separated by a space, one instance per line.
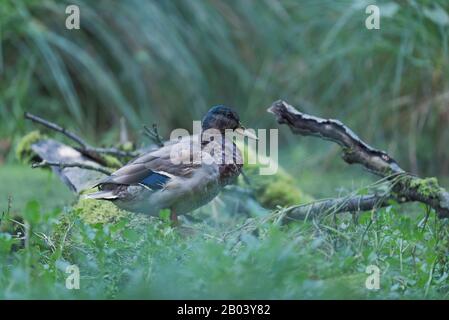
pixel 69 234
pixel 427 187
pixel 275 190
pixel 111 161
pixel 23 149
pixel 127 146
pixel 97 211
pixel 89 211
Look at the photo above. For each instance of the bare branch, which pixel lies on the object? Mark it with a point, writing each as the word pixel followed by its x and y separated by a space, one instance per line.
pixel 354 149
pixel 406 187
pixel 85 148
pixel 112 151
pixel 153 135
pixel 338 205
pixel 57 128
pixel 70 165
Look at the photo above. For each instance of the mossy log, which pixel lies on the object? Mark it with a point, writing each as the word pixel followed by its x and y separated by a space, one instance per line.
pixel 271 191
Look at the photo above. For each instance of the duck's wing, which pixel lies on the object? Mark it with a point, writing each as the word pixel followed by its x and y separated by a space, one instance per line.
pixel 154 169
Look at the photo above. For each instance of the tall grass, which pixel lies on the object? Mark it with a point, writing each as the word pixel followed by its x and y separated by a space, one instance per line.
pixel 168 61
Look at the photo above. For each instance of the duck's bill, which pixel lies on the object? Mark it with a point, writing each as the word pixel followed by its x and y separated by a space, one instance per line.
pixel 246 133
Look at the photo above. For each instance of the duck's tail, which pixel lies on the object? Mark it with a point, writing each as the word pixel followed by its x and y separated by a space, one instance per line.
pixel 103 194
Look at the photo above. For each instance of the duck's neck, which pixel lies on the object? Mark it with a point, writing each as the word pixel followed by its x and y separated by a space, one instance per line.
pixel 205 142
pixel 229 170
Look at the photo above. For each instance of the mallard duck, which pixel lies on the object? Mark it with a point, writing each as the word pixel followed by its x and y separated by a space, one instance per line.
pixel 183 175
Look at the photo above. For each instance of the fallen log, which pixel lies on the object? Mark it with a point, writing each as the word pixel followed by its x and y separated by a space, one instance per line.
pixel 405 187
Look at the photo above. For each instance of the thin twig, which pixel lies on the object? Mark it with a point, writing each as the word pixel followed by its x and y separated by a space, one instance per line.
pixel 8 209
pixel 17 222
pixel 70 165
pixel 153 135
pixel 47 240
pixel 426 218
pixel 57 128
pixel 85 147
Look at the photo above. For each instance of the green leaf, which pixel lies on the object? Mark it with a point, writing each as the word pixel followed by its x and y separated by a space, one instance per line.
pixel 32 212
pixel 164 214
pixel 388 10
pixel 6 242
pixel 131 235
pixel 437 15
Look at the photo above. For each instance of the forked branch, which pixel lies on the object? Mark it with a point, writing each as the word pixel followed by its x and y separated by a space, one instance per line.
pixel 153 135
pixel 406 187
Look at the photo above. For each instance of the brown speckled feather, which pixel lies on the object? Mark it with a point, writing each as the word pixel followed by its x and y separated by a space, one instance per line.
pixel 171 160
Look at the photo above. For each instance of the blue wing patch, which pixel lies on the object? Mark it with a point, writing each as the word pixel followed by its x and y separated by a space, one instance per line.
pixel 155 181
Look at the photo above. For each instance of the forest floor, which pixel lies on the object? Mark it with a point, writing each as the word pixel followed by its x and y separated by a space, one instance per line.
pixel 334 257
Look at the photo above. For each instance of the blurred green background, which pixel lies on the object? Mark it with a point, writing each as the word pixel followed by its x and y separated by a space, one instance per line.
pixel 167 62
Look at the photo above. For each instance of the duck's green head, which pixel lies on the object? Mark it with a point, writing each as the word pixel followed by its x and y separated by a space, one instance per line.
pixel 222 118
